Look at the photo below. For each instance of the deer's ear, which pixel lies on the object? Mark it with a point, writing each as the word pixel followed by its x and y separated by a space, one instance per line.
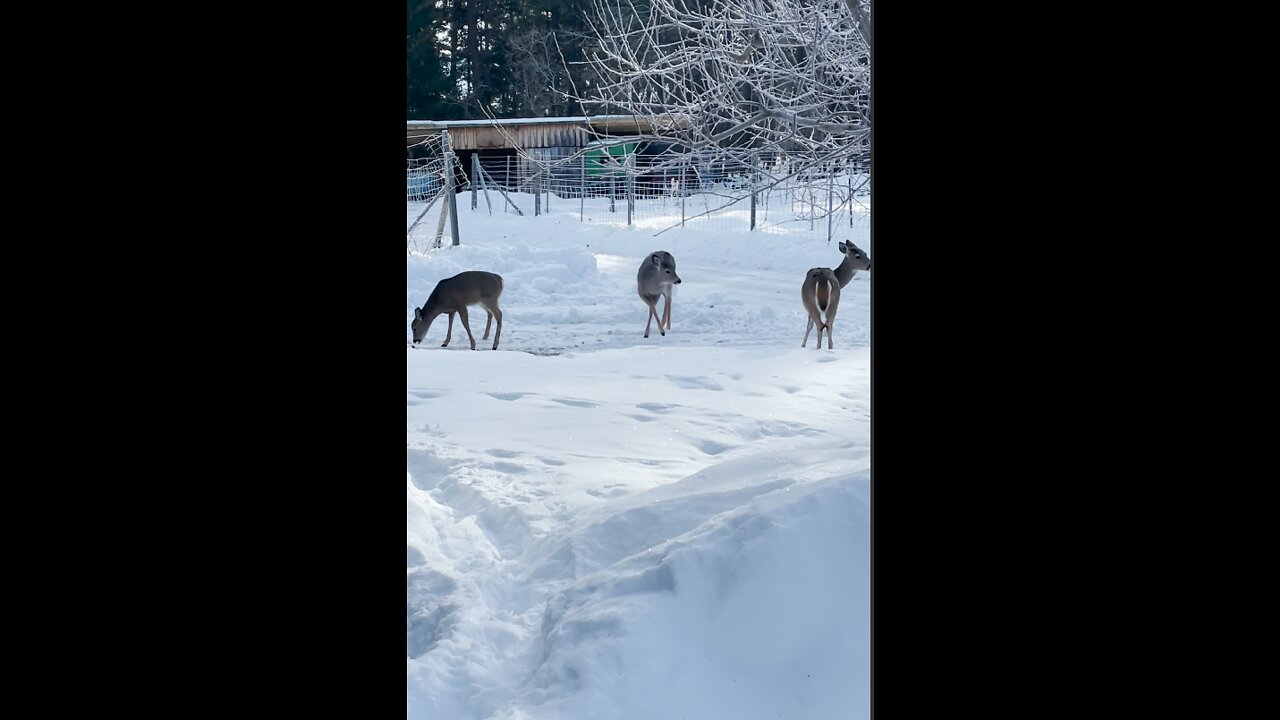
pixel 657 261
pixel 417 313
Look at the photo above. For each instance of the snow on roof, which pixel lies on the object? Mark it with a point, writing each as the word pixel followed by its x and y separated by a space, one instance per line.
pixel 517 121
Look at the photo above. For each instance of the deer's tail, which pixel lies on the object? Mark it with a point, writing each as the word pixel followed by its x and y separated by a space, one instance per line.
pixel 821 289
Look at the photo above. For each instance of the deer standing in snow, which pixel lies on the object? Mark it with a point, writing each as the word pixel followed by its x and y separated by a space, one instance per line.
pixel 820 294
pixel 656 276
pixel 821 290
pixel 453 295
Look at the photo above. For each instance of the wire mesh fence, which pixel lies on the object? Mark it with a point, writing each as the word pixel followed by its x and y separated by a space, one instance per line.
pixel 424 174
pixel 662 192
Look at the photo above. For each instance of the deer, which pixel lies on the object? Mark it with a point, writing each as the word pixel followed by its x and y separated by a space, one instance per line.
pixel 854 260
pixel 453 295
pixel 656 276
pixel 820 293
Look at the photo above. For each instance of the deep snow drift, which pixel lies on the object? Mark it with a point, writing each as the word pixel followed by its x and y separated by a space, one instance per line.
pixel 606 526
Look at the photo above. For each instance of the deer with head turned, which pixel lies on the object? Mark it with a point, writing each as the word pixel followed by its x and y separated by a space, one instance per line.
pixel 820 294
pixel 453 295
pixel 854 260
pixel 821 290
pixel 656 276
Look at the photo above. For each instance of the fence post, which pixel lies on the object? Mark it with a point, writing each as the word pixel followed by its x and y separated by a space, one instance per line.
pixel 453 215
pixel 447 187
pixel 444 215
pixel 483 185
pixel 683 190
pixel 612 189
pixel 537 194
pixel 582 187
pixel 452 198
pixel 831 179
pixel 850 177
pixel 813 204
pixel 631 185
pixel 752 177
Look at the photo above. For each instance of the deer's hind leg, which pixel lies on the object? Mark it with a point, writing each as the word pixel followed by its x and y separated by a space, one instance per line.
pixel 491 308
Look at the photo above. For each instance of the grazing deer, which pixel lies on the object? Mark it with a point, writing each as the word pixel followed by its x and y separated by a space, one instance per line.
pixel 854 260
pixel 820 293
pixel 657 275
pixel 453 295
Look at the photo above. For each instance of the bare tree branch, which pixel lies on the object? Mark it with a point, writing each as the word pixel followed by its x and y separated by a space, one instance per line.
pixel 742 76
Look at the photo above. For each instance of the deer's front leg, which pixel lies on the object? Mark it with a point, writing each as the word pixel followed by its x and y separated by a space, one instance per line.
pixel 448 334
pixel 462 312
pixel 653 315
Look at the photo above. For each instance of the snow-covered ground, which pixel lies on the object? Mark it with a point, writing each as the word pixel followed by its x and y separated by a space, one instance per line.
pixel 603 526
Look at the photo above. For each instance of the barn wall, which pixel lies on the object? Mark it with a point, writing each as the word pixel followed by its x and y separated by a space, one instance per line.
pixel 528 136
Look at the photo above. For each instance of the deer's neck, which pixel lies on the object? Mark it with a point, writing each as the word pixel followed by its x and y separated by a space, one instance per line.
pixel 845 271
pixel 432 306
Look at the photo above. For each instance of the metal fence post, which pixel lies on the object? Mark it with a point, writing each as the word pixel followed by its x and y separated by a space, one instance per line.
pixel 752 177
pixel 475 177
pixel 452 197
pixel 683 190
pixel 631 186
pixel 831 179
pixel 453 215
pixel 446 185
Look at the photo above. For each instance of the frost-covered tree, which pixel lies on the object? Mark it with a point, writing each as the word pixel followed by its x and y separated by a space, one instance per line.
pixel 730 80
